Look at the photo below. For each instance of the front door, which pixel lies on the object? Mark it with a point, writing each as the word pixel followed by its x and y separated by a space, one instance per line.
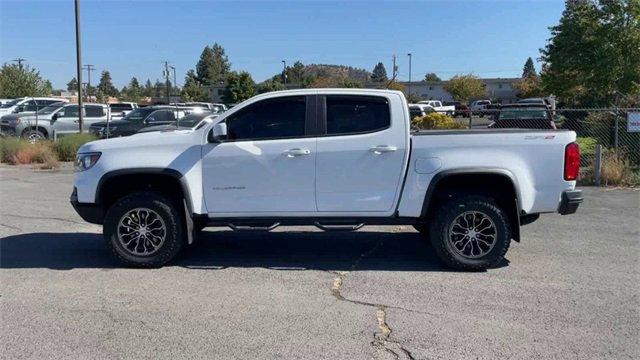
pixel 266 166
pixel 361 157
pixel 68 120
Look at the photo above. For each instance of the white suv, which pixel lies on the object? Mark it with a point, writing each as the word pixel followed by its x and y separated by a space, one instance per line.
pixel 28 104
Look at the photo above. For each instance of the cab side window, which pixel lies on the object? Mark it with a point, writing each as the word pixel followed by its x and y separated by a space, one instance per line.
pixel 357 114
pixel 269 119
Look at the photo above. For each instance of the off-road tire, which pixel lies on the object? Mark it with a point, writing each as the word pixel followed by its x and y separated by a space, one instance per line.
pixel 448 211
pixel 173 220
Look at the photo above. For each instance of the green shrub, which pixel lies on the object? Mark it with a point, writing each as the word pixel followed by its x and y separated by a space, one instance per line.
pixel 587 146
pixel 434 121
pixel 67 146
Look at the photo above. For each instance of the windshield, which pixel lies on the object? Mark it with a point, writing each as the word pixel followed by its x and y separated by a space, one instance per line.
pixel 138 114
pixel 10 104
pixel 51 108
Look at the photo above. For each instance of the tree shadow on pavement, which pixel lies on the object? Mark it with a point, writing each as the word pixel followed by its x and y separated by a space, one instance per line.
pixel 367 250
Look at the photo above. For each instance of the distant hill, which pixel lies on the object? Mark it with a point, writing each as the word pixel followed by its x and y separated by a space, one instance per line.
pixel 336 71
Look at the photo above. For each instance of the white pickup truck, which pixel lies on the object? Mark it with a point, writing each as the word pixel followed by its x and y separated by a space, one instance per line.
pixel 439 108
pixel 338 159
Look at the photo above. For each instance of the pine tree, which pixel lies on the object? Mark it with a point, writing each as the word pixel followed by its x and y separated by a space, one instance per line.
pixel 529 69
pixel 105 87
pixel 72 85
pixel 213 66
pixel 379 73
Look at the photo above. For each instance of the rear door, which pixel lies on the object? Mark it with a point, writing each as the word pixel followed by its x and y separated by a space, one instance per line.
pixel 92 115
pixel 362 155
pixel 266 167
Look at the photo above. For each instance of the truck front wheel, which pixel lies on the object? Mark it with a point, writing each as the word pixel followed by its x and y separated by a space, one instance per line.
pixel 144 229
pixel 470 232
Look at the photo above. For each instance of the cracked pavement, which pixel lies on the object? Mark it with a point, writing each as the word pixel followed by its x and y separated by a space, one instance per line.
pixel 569 290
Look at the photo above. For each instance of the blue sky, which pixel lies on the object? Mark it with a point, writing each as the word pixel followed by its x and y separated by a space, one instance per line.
pixel 488 38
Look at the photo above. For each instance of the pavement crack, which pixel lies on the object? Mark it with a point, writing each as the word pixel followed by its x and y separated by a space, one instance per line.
pixel 42 218
pixel 11 227
pixel 382 339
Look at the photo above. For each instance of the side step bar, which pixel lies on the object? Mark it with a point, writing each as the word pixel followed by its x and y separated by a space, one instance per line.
pixel 338 227
pixel 324 227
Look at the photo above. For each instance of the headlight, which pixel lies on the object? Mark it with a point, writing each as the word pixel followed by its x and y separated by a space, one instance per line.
pixel 86 160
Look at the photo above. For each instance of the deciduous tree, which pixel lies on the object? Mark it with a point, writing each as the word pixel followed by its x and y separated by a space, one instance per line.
pixel 18 81
pixel 465 87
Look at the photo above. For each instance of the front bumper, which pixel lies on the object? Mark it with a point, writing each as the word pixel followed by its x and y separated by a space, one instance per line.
pixel 7 130
pixel 570 201
pixel 88 212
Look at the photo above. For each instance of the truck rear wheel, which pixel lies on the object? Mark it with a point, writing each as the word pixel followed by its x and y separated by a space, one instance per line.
pixel 470 232
pixel 144 229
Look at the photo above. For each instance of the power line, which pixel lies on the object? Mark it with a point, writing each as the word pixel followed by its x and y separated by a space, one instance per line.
pixel 89 69
pixel 19 61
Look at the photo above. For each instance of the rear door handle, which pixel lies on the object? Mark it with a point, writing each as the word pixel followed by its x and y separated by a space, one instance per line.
pixel 383 149
pixel 297 152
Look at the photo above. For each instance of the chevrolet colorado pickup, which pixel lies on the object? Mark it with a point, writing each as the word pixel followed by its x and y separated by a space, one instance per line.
pixel 338 159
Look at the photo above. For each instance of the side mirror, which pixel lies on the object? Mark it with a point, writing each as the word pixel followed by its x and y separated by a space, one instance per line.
pixel 55 116
pixel 219 132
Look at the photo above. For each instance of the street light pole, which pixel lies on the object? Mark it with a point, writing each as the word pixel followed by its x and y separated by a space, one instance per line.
pixel 79 65
pixel 409 90
pixel 284 71
pixel 175 83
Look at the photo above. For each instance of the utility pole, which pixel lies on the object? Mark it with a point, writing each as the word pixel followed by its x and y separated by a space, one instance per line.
pixel 409 90
pixel 79 66
pixel 89 69
pixel 284 72
pixel 19 61
pixel 166 79
pixel 395 68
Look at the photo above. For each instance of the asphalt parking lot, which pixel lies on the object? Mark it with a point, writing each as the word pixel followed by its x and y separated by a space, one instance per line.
pixel 569 290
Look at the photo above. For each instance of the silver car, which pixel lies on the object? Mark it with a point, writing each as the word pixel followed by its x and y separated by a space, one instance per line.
pixel 62 119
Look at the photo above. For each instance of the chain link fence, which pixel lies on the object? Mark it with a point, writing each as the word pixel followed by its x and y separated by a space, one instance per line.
pixel 609 138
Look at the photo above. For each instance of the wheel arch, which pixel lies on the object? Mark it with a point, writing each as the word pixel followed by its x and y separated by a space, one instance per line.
pixel 37 128
pixel 485 180
pixel 117 183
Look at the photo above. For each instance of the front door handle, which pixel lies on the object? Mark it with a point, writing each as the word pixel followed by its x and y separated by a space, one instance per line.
pixel 383 149
pixel 297 152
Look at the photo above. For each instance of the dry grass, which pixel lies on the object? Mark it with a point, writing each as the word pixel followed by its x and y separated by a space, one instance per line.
pixel 17 152
pixel 616 169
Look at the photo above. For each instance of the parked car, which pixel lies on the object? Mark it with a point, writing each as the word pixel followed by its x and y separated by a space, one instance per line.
pixel 187 122
pixel 119 110
pixel 419 110
pixel 31 126
pixel 461 109
pixel 534 101
pixel 438 107
pixel 524 116
pixel 338 159
pixel 139 119
pixel 27 104
pixel 215 108
pixel 477 107
pixel 67 120
pixel 4 101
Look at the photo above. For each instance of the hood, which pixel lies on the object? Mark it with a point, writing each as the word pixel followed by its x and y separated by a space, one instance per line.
pixel 144 141
pixel 111 123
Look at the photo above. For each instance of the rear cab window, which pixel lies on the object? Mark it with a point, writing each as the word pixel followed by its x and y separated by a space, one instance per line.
pixel 354 114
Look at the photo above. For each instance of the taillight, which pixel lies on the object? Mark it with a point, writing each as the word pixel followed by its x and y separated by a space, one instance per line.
pixel 571 161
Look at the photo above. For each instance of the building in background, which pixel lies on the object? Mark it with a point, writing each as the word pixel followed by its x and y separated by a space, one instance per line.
pixel 498 90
